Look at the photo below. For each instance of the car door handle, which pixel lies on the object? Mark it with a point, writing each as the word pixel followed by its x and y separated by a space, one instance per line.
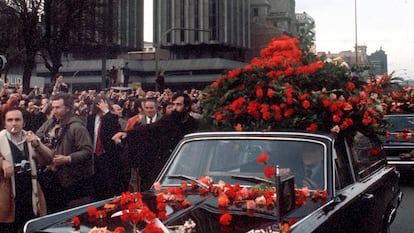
pixel 368 196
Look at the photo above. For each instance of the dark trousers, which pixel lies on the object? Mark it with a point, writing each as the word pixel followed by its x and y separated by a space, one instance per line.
pixel 8 228
pixel 126 80
pixel 59 198
pixel 108 177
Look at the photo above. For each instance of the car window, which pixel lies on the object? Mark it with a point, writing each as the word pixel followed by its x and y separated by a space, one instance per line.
pixel 343 165
pixel 367 154
pixel 400 123
pixel 222 159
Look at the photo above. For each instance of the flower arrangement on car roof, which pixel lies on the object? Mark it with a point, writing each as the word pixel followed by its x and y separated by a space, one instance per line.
pixel 290 89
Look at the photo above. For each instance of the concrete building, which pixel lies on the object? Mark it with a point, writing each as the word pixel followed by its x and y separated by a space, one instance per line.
pixel 195 41
pixel 378 62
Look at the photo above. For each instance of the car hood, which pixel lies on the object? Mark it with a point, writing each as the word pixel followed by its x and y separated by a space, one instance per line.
pixel 203 210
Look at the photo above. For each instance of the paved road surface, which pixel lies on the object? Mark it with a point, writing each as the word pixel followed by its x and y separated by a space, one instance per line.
pixel 404 222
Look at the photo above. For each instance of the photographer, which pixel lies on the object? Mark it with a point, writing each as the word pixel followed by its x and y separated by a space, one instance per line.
pixel 68 181
pixel 21 196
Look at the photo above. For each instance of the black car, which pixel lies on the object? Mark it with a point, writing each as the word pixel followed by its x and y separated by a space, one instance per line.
pixel 254 182
pixel 400 139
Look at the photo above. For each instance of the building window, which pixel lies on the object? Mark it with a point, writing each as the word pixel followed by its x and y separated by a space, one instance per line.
pixel 182 20
pixel 169 20
pixel 196 20
pixel 213 19
pixel 255 11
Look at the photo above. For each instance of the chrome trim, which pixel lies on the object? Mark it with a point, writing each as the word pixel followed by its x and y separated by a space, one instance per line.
pixel 400 162
pixel 259 134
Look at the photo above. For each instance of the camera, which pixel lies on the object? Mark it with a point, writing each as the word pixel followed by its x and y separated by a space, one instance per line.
pixel 49 141
pixel 22 167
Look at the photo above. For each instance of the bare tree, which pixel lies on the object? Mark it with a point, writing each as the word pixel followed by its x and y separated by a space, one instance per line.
pixel 66 27
pixel 28 32
pixel 58 27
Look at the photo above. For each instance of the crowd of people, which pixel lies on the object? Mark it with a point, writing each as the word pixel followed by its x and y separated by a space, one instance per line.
pixel 62 150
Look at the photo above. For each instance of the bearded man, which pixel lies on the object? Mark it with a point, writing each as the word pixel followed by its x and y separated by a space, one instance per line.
pixel 153 143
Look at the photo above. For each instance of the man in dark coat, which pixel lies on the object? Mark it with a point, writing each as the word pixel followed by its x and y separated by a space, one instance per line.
pixel 152 144
pixel 102 125
pixel 71 167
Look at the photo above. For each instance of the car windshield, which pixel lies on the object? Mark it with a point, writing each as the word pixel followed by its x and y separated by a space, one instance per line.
pixel 231 160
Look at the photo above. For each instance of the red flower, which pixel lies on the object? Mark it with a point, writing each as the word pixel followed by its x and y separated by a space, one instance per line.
pixel 264 109
pixel 269 92
pixel 347 122
pixel 285 228
pixel 347 106
pixel 219 116
pixel 225 219
pixel 259 91
pixel 313 127
pixel 238 127
pixel 91 211
pixel 152 227
pixel 253 109
pixel 76 222
pixel 269 171
pixel 336 118
pixel 306 104
pixel 100 214
pixel 234 73
pixel 374 151
pixel 237 105
pixel 350 86
pixel 289 112
pixel 223 200
pixel 326 102
pixel 262 159
pixel 119 230
pixel 303 97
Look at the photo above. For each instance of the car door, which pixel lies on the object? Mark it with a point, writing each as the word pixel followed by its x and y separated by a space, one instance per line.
pixel 364 187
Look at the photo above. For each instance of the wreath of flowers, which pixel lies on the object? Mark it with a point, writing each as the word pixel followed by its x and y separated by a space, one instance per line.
pixel 394 99
pixel 284 89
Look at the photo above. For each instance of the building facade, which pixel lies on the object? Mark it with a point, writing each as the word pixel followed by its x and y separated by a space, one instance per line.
pixel 378 62
pixel 195 41
pixel 203 28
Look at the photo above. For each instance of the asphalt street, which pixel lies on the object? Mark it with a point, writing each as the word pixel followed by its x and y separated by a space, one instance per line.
pixel 404 222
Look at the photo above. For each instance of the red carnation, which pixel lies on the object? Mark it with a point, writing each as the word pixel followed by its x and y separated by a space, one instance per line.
pixel 225 219
pixel 76 222
pixel 306 104
pixel 350 86
pixel 313 127
pixel 269 171
pixel 262 158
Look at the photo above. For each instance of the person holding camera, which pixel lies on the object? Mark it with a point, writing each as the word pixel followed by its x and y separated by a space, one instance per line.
pixel 68 176
pixel 21 196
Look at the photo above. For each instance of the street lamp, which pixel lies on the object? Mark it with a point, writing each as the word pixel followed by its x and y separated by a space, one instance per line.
pixel 356 35
pixel 160 39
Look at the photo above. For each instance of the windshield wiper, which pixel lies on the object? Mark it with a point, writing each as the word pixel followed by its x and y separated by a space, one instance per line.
pixel 253 179
pixel 184 177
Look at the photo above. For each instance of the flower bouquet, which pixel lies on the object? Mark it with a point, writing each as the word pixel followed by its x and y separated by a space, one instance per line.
pixel 290 89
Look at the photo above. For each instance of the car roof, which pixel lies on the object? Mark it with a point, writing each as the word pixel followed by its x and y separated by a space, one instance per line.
pixel 399 114
pixel 238 134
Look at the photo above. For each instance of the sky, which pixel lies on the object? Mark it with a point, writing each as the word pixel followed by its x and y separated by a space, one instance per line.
pixel 386 24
